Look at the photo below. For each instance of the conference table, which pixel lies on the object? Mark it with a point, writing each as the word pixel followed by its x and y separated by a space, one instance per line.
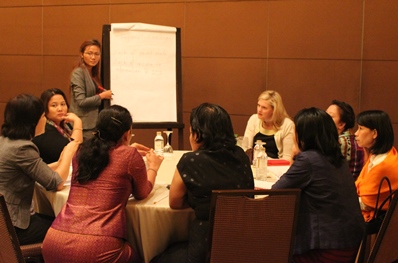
pixel 152 224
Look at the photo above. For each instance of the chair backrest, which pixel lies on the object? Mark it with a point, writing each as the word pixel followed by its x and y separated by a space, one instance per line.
pixel 385 246
pixel 247 229
pixel 10 250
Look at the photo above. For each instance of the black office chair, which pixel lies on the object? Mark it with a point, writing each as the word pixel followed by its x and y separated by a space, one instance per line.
pixel 10 250
pixel 247 229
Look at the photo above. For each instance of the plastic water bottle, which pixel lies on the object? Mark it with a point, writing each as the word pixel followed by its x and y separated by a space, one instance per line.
pixel 159 143
pixel 261 169
pixel 257 148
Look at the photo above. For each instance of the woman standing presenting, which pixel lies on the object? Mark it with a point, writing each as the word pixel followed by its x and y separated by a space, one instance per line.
pixel 61 126
pixel 87 93
pixel 271 125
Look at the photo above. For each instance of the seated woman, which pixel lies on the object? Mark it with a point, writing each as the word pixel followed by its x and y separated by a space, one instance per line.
pixel 375 134
pixel 59 130
pixel 330 225
pixel 21 166
pixel 91 227
pixel 214 163
pixel 344 117
pixel 271 125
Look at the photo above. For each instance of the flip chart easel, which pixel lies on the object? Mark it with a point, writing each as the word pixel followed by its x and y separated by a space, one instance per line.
pixel 141 64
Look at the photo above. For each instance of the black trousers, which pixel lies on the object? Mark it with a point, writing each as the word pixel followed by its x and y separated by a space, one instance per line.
pixel 192 251
pixel 35 233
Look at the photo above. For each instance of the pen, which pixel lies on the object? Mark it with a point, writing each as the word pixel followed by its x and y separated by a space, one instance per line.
pixel 161 198
pixel 102 89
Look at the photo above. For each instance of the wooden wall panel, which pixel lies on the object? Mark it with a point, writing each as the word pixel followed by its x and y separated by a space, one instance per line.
pixel 145 1
pixel 22 74
pixel 66 27
pixel 20 3
pixel 232 83
pixel 159 14
pixel 314 83
pixel 226 29
pixel 57 70
pixel 380 30
pixel 379 90
pixel 315 29
pixel 21 31
pixel 74 2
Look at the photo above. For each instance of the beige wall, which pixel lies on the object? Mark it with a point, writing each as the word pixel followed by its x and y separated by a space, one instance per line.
pixel 309 51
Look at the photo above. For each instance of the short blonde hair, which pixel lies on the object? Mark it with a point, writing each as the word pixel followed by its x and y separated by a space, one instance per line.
pixel 275 100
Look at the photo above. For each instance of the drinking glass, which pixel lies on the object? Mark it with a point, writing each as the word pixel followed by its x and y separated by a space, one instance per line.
pixel 167 148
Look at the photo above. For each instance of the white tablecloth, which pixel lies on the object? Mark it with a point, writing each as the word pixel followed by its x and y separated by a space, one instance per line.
pixel 152 224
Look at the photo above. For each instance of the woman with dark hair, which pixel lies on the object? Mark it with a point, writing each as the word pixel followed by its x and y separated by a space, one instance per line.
pixel 376 135
pixel 330 225
pixel 214 163
pixel 344 118
pixel 61 126
pixel 91 227
pixel 85 83
pixel 21 166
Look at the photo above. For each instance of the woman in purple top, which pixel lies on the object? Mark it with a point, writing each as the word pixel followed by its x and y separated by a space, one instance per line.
pixel 330 224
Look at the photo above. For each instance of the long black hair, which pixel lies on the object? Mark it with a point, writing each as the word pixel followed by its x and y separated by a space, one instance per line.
pixel 380 121
pixel 93 155
pixel 316 130
pixel 212 126
pixel 21 115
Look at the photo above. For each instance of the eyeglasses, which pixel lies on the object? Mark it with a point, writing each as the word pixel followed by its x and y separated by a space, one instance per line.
pixel 90 54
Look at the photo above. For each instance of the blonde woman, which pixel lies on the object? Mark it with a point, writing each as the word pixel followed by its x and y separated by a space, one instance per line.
pixel 272 125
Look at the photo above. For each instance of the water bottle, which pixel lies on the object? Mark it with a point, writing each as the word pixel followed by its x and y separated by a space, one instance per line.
pixel 261 169
pixel 257 148
pixel 159 143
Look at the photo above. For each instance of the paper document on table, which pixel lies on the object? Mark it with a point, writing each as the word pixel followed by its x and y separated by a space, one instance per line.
pixel 68 180
pixel 161 197
pixel 263 184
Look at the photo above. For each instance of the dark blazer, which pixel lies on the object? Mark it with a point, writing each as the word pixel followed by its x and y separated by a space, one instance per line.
pixel 330 215
pixel 85 102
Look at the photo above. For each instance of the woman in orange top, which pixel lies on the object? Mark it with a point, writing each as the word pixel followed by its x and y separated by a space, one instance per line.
pixel 375 134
